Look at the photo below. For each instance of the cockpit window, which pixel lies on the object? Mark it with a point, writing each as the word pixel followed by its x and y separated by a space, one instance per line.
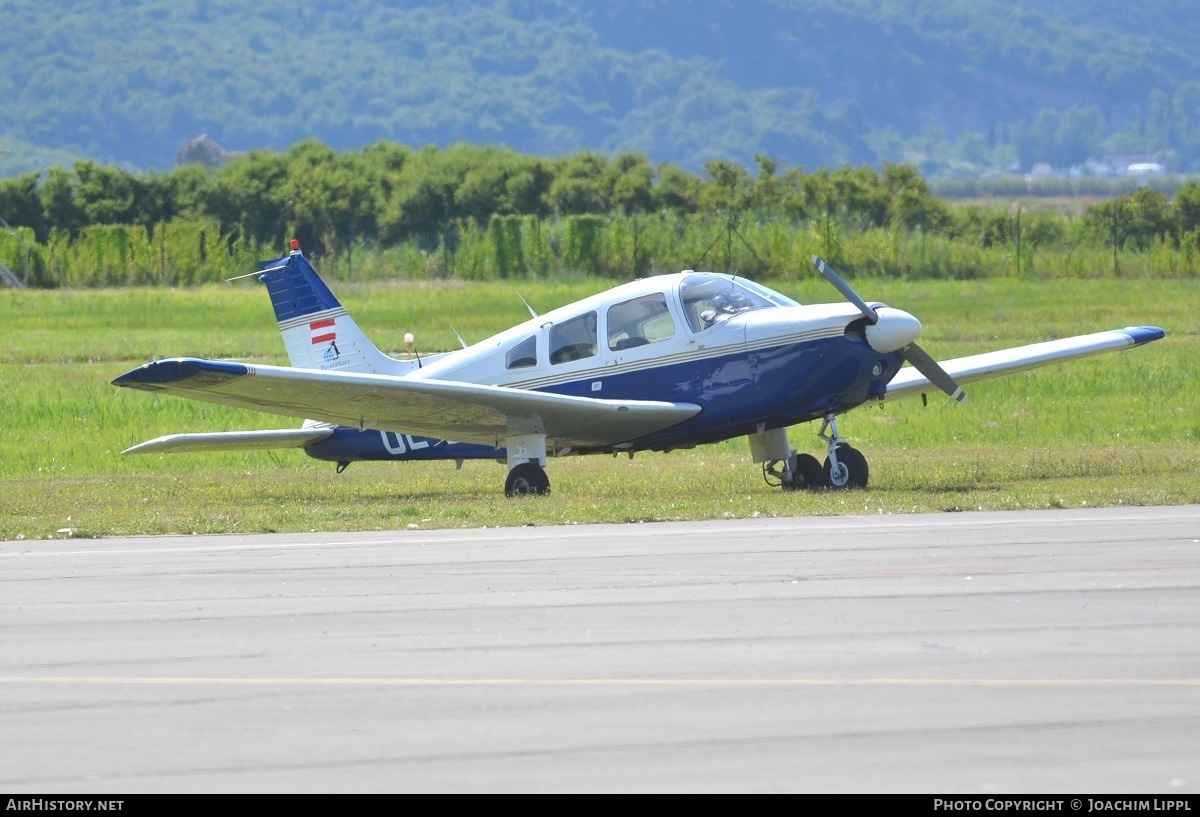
pixel 770 294
pixel 711 299
pixel 639 322
pixel 574 339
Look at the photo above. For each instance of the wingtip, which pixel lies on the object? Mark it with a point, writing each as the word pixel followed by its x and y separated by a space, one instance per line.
pixel 1144 334
pixel 156 374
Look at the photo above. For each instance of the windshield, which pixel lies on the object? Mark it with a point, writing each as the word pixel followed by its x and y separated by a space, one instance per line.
pixel 710 299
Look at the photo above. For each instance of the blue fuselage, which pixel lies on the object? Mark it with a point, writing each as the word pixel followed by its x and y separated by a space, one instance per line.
pixel 739 392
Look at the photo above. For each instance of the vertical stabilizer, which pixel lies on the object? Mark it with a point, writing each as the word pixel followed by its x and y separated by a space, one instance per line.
pixel 316 330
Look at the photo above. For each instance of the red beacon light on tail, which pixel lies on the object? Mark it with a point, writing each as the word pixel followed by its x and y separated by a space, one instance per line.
pixel 295 245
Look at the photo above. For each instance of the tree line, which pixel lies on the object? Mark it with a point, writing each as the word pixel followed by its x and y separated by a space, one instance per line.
pixel 618 215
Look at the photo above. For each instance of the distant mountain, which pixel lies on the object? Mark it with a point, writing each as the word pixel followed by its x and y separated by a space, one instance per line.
pixel 955 86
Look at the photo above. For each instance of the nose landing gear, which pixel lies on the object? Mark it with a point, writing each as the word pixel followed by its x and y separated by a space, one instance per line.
pixel 845 467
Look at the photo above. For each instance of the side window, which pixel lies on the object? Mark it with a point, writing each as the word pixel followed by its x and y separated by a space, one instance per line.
pixel 639 322
pixel 574 339
pixel 522 355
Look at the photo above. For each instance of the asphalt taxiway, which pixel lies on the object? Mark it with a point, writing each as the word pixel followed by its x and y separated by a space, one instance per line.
pixel 1044 651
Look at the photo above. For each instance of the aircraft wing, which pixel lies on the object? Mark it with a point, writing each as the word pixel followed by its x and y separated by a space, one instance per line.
pixel 232 441
pixel 465 412
pixel 1018 359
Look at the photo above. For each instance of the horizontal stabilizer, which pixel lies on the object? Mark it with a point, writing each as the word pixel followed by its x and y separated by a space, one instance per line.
pixel 909 381
pixel 232 441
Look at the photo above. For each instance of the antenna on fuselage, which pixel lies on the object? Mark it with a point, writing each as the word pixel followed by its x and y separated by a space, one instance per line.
pixel 460 337
pixel 527 306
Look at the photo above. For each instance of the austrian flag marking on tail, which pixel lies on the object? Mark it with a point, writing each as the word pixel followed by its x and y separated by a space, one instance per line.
pixel 319 335
pixel 325 331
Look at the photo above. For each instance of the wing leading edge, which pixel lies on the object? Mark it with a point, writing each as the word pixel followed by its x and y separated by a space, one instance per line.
pixel 465 412
pixel 1021 358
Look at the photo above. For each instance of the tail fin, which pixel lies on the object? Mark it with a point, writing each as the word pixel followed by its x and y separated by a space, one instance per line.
pixel 316 329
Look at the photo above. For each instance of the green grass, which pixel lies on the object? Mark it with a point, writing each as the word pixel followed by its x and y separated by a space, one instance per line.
pixel 1117 429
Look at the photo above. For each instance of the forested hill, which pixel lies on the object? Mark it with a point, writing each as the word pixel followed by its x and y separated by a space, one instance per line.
pixel 953 86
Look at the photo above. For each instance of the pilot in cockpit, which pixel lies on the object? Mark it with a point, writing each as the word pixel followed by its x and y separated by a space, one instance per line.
pixel 723 307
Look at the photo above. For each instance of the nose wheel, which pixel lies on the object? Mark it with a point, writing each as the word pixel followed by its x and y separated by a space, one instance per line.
pixel 845 467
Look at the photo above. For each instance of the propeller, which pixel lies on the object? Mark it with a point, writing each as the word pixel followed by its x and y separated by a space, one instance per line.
pixel 904 326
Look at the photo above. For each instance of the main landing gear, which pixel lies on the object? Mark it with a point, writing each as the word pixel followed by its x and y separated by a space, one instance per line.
pixel 526 456
pixel 527 478
pixel 845 467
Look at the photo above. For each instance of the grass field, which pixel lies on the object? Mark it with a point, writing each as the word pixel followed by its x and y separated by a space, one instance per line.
pixel 1120 428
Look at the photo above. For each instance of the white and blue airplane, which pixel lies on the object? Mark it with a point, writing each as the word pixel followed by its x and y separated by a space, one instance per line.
pixel 661 363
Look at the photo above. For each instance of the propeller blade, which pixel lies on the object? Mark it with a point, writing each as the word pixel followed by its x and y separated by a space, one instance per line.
pixel 929 367
pixel 847 292
pixel 913 353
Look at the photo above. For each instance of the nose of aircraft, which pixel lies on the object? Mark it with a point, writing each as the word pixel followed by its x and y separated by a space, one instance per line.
pixel 894 330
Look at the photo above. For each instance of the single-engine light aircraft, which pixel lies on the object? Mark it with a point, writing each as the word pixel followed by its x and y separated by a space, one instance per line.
pixel 661 363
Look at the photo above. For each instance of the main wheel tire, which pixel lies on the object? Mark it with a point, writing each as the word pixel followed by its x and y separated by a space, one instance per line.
pixel 807 473
pixel 527 479
pixel 852 471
